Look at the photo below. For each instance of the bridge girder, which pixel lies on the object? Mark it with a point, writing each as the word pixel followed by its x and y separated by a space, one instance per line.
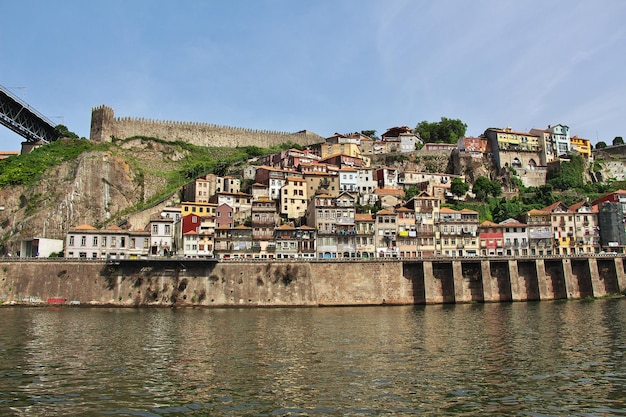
pixel 24 120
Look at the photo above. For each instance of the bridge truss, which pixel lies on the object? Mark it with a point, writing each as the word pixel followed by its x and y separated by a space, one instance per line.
pixel 24 120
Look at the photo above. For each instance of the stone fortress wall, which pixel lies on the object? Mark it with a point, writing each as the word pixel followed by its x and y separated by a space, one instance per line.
pixel 105 126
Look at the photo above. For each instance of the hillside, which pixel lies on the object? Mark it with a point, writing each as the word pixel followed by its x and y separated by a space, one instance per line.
pixel 95 184
pixel 74 181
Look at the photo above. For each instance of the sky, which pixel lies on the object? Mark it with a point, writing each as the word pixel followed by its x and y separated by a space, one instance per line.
pixel 326 65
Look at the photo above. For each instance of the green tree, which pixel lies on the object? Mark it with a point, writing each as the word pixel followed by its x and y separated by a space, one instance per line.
pixel 444 131
pixel 495 189
pixel 618 140
pixel 411 192
pixel 507 209
pixel 221 168
pixel 63 132
pixel 601 145
pixel 483 187
pixel 458 187
pixel 538 197
pixel 370 134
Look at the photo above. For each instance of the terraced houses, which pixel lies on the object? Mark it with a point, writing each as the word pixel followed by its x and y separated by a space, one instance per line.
pixel 308 204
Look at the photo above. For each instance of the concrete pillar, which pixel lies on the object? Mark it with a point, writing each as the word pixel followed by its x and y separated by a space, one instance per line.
pixel 488 295
pixel 516 291
pixel 621 274
pixel 461 292
pixel 432 287
pixel 571 285
pixel 545 290
pixel 598 285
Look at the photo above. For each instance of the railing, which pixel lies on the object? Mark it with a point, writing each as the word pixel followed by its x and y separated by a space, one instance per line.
pixel 376 258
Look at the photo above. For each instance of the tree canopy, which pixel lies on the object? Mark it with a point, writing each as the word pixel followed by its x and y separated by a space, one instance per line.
pixel 601 145
pixel 483 187
pixel 369 133
pixel 444 131
pixel 63 132
pixel 618 140
pixel 458 187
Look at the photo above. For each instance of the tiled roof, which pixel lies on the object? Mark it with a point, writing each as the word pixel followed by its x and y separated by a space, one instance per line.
pixel 487 223
pixel 85 227
pixel 512 223
pixel 389 191
pixel 551 207
pixel 447 210
pixel 363 217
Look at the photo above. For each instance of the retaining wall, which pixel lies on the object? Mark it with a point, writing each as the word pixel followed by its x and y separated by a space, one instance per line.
pixel 177 282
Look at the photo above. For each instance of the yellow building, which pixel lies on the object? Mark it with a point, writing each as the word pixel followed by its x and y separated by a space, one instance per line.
pixel 351 149
pixel 200 209
pixel 293 198
pixel 582 146
pixel 508 140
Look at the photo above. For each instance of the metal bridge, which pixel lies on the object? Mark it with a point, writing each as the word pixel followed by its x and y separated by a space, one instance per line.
pixel 24 120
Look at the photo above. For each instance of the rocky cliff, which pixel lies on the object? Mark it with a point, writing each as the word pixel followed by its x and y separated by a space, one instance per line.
pixel 97 188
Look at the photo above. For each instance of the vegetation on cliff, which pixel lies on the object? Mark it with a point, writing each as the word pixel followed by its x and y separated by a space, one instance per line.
pixel 74 181
pixel 28 168
pixel 566 184
pixel 444 131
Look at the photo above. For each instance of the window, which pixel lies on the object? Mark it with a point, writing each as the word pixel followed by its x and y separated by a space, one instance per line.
pixel 83 240
pixel 168 229
pixel 155 229
pixel 71 241
pixel 95 241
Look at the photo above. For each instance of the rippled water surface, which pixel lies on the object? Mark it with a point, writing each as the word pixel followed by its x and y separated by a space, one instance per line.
pixel 531 359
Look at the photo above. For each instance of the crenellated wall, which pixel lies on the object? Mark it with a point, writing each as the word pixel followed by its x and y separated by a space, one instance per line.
pixel 178 282
pixel 105 126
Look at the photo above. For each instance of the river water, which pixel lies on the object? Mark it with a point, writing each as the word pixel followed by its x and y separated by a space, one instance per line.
pixel 527 359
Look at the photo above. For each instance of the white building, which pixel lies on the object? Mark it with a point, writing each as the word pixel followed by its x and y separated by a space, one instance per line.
pixel 161 235
pixel 87 242
pixel 348 179
pixel 515 236
pixel 39 247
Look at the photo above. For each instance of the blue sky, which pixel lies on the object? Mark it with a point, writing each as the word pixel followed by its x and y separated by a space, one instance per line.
pixel 327 65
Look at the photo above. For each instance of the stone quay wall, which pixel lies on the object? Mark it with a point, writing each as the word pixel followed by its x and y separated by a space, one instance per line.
pixel 105 126
pixel 181 283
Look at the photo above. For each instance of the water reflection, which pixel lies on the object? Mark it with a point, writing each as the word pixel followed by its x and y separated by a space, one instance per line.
pixel 547 358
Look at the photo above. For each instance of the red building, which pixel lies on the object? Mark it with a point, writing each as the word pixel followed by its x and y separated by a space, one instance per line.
pixel 491 236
